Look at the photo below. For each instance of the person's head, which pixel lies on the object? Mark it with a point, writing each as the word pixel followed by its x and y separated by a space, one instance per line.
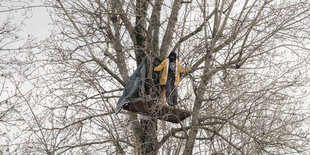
pixel 172 56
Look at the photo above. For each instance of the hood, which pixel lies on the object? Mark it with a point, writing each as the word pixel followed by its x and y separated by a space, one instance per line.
pixel 174 55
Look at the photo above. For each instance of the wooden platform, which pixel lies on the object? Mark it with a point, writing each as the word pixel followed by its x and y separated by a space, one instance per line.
pixel 157 110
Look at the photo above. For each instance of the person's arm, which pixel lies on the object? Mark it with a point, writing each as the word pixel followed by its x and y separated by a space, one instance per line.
pixel 160 66
pixel 182 70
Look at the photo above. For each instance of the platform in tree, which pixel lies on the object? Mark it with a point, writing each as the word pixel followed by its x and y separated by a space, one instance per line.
pixel 157 110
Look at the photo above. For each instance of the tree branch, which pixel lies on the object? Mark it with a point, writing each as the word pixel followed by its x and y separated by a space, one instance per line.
pixel 167 39
pixel 130 29
pixel 89 48
pixel 198 29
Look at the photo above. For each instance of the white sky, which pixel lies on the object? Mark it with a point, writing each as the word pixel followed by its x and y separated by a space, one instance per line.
pixel 38 24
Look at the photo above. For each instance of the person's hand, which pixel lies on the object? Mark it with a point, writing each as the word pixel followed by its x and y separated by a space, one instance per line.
pixel 190 70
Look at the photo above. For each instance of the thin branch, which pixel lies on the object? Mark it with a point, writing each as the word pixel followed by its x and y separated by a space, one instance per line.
pixel 80 121
pixel 224 138
pixel 89 48
pixel 68 147
pixel 198 29
pixel 128 25
pixel 24 7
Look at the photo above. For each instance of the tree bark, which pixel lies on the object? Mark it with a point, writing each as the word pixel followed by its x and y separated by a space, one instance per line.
pixel 167 39
pixel 154 27
pixel 148 136
pixel 148 127
pixel 140 35
pixel 195 115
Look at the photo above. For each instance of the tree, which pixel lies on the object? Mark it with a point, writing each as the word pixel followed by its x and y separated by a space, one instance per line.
pixel 13 51
pixel 245 94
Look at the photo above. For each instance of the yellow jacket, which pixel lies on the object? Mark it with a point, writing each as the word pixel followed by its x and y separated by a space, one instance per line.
pixel 164 65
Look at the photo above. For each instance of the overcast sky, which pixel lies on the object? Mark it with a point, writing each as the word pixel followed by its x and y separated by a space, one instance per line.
pixel 37 25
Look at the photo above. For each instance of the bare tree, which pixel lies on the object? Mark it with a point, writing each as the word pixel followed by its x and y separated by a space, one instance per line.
pixel 250 63
pixel 15 54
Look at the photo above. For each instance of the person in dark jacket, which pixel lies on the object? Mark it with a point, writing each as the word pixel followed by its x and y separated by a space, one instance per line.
pixel 170 77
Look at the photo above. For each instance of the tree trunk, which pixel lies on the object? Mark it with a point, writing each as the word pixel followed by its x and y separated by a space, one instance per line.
pixel 194 125
pixel 190 142
pixel 148 136
pixel 148 127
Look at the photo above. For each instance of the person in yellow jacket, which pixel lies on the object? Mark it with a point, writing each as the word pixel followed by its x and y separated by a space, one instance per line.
pixel 170 77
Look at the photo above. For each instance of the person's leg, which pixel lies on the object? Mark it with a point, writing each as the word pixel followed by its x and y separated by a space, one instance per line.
pixel 174 96
pixel 168 89
pixel 163 99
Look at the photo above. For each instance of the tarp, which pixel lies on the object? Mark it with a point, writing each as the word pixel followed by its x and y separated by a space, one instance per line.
pixel 132 88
